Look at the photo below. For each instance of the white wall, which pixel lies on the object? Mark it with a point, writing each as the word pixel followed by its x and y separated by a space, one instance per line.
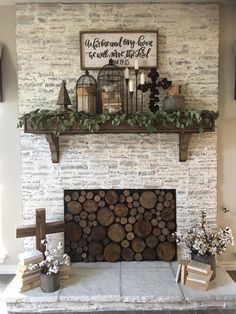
pixel 227 125
pixel 10 195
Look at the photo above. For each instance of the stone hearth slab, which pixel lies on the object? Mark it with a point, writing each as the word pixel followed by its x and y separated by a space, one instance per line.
pixel 123 287
pixel 149 285
pixel 96 285
pixel 155 264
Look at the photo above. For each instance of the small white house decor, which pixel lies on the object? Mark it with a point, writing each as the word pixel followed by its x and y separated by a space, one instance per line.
pixel 97 47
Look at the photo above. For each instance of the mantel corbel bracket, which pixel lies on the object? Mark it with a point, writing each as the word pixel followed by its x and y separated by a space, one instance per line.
pixel 53 142
pixel 183 145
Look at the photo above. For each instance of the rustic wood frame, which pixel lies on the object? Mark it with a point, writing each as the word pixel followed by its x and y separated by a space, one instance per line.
pixel 82 56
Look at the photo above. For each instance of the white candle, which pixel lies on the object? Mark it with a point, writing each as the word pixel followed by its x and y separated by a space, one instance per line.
pixel 126 73
pixel 142 78
pixel 136 64
pixel 131 85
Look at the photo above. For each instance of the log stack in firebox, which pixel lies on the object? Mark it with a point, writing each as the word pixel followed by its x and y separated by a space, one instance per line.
pixel 120 225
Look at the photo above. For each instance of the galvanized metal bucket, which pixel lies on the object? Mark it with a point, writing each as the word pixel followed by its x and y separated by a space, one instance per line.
pixel 174 102
pixel 50 283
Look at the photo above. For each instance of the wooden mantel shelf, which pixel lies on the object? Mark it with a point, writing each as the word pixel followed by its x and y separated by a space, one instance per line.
pixel 107 127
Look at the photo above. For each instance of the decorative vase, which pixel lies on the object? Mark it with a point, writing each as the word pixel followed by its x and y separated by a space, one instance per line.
pixel 174 102
pixel 50 283
pixel 207 259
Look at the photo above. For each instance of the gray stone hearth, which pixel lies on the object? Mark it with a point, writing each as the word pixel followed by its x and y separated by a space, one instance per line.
pixel 121 287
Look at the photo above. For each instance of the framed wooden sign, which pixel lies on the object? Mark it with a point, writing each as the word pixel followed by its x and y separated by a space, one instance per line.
pixel 123 47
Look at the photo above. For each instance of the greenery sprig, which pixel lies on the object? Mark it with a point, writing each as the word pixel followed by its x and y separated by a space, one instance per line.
pixel 65 121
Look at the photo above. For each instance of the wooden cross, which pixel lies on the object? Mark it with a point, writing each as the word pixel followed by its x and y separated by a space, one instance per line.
pixel 40 229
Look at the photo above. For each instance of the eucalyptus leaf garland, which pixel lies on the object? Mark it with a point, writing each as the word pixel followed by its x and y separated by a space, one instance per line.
pixel 60 122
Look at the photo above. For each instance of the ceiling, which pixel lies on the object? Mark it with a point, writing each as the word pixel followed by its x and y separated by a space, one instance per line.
pixel 12 2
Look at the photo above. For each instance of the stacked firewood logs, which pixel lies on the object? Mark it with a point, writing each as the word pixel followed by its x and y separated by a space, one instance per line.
pixel 114 225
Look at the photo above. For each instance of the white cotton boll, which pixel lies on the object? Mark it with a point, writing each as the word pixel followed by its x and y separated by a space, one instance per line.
pixel 60 246
pixel 198 239
pixel 49 259
pixel 43 263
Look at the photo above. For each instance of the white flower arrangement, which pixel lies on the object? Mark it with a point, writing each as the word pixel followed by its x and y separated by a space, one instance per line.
pixel 53 260
pixel 202 243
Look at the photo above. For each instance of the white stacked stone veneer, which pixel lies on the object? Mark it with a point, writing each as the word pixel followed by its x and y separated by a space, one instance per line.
pixel 48 51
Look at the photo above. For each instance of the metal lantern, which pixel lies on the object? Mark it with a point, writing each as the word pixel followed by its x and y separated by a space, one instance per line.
pixel 86 93
pixel 110 89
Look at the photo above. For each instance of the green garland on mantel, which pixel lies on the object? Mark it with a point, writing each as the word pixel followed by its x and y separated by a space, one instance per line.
pixel 61 121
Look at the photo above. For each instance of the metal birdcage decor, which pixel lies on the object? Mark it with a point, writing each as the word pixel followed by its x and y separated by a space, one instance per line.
pixel 110 89
pixel 86 93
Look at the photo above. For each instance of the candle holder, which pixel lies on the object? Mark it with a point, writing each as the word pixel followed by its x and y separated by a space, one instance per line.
pixel 127 95
pixel 136 82
pixel 141 87
pixel 131 100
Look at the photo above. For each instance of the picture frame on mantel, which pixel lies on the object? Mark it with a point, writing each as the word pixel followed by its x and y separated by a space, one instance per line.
pixel 97 47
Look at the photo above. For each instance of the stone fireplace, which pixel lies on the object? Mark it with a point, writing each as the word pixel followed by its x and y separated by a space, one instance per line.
pixel 114 225
pixel 95 184
pixel 48 51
